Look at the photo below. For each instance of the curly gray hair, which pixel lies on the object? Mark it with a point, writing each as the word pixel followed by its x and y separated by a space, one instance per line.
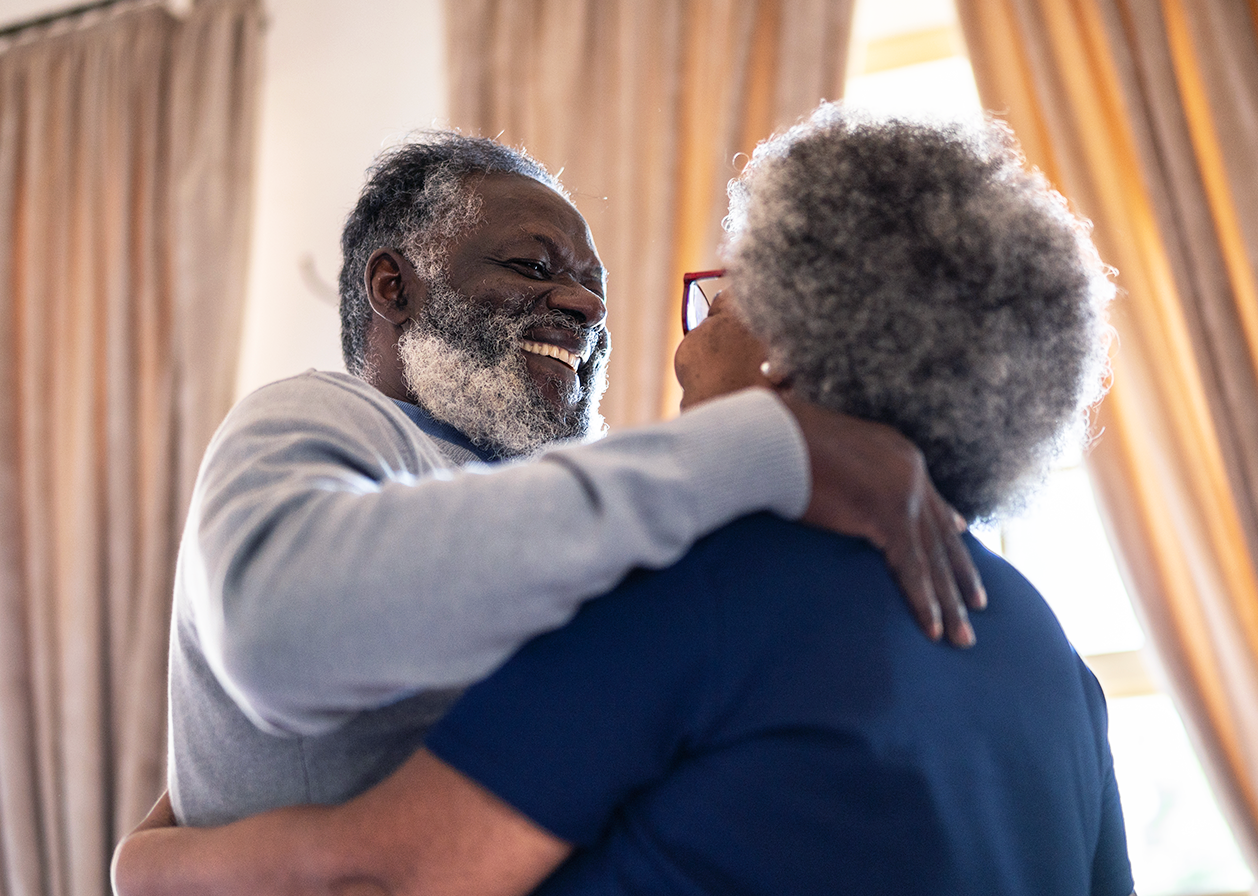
pixel 418 195
pixel 918 275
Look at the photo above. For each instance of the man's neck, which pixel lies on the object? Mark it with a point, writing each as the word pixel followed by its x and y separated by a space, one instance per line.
pixel 443 431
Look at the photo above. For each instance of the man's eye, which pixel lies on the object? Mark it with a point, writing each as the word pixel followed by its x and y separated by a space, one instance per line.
pixel 535 269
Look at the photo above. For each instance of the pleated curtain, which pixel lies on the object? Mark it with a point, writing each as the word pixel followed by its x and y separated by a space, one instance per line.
pixel 643 105
pixel 1146 115
pixel 126 147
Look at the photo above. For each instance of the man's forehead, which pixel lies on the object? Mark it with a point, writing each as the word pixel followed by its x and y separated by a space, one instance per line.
pixel 514 205
pixel 517 193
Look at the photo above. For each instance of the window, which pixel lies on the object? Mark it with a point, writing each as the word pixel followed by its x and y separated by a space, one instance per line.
pixel 909 57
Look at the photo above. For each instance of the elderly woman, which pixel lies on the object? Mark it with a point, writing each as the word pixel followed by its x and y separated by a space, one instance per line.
pixel 763 717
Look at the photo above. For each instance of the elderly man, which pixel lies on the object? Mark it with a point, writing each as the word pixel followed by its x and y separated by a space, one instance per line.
pixel 349 563
pixel 735 724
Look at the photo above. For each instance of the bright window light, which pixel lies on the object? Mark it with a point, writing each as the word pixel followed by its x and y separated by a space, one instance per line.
pixel 1177 840
pixel 1086 593
pixel 942 88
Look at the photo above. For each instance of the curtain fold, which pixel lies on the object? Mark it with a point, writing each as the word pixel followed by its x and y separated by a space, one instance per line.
pixel 1146 116
pixel 643 105
pixel 125 147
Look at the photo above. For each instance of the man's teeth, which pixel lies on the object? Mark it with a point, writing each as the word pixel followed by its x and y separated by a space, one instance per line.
pixel 553 351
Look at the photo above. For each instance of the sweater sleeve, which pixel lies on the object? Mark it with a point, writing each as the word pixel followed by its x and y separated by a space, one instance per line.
pixel 333 562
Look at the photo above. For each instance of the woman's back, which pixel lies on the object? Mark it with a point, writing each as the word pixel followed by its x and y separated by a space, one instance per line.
pixel 764 717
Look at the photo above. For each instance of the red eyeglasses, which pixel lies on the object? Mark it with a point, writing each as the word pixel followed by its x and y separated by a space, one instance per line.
pixel 697 292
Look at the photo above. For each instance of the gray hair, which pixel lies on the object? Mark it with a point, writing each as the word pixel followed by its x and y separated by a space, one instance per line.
pixel 916 274
pixel 417 196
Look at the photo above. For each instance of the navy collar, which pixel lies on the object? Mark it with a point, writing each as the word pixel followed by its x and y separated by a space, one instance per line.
pixel 444 431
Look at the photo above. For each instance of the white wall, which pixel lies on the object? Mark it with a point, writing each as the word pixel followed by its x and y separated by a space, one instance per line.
pixel 13 12
pixel 341 80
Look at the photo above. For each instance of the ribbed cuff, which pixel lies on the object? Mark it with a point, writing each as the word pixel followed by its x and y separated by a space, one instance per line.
pixel 751 454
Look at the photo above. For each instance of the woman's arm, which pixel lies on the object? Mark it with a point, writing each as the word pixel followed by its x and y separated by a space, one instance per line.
pixel 426 829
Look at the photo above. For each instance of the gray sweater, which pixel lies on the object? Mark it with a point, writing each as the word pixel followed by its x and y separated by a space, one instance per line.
pixel 343 575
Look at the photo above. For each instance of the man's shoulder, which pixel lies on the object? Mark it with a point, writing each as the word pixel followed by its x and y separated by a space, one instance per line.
pixel 318 399
pixel 323 414
pixel 325 387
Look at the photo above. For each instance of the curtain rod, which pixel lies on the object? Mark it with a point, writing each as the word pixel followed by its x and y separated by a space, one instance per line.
pixel 82 9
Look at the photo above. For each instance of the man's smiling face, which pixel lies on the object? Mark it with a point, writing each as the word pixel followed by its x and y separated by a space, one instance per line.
pixel 509 345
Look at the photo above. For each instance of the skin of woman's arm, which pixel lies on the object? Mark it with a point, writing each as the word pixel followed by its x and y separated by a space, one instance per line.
pixel 427 829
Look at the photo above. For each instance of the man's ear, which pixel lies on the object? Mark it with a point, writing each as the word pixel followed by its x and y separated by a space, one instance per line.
pixel 394 288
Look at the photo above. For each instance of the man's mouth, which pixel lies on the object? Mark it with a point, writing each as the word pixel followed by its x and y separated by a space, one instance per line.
pixel 570 359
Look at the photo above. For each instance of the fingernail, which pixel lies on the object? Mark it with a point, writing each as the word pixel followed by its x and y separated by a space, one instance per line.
pixel 967 635
pixel 980 598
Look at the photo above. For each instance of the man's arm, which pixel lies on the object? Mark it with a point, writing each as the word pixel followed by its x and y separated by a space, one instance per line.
pixel 427 830
pixel 333 561
pixel 332 564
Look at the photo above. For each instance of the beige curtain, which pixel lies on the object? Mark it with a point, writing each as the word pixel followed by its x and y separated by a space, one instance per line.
pixel 1146 115
pixel 643 104
pixel 125 152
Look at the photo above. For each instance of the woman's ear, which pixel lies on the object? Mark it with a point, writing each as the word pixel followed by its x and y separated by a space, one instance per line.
pixel 393 286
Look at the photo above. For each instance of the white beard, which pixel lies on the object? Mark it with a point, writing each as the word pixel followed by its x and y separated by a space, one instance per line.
pixel 480 384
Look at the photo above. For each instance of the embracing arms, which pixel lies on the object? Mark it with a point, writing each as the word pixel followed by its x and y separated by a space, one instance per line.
pixel 428 829
pixel 319 488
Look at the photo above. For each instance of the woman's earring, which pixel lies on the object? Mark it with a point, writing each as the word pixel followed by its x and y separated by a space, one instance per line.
pixel 776 378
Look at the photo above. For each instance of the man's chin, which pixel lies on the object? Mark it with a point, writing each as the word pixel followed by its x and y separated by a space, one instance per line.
pixel 562 390
pixel 503 407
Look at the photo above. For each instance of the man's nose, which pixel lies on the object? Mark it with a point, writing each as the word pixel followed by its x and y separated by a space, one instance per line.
pixel 580 302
